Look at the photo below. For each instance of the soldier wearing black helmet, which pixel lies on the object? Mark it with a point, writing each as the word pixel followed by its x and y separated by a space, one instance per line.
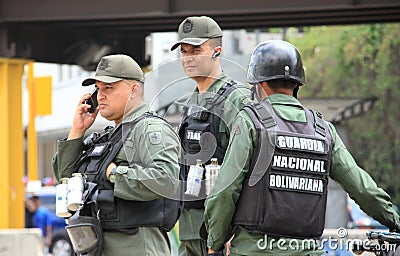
pixel 279 157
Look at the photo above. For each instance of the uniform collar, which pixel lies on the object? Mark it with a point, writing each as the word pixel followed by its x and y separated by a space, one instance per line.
pixel 212 90
pixel 129 117
pixel 135 113
pixel 282 99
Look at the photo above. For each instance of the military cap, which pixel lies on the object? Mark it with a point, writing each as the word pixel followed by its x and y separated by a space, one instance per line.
pixel 114 68
pixel 197 30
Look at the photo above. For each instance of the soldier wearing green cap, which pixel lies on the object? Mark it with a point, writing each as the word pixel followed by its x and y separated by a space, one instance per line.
pixel 207 121
pixel 131 170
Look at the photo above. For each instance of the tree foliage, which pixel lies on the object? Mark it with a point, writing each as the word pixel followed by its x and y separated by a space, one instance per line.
pixel 360 61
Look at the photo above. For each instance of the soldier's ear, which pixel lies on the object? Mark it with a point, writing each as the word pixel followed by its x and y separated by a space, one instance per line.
pixel 134 88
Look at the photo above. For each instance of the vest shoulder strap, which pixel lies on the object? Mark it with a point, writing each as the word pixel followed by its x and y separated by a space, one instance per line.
pixel 223 93
pixel 261 112
pixel 119 136
pixel 319 123
pixel 263 120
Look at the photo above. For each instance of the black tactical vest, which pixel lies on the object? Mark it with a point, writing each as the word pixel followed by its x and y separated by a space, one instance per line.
pixel 201 139
pixel 285 192
pixel 117 214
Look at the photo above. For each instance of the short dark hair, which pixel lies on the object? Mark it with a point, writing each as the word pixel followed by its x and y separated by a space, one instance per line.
pixel 141 84
pixel 35 197
pixel 215 41
pixel 281 83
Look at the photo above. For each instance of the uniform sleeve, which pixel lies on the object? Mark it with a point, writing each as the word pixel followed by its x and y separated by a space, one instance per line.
pixel 360 186
pixel 220 207
pixel 65 159
pixel 151 153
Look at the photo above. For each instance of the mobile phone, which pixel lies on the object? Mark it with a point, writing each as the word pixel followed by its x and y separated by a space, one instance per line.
pixel 92 101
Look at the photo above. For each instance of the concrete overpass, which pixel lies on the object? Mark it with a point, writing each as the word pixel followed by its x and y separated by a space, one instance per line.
pixel 79 32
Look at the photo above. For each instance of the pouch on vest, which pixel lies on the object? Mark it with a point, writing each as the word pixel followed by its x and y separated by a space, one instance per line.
pixel 197 112
pixel 86 235
pixel 97 151
pixel 201 143
pixel 106 203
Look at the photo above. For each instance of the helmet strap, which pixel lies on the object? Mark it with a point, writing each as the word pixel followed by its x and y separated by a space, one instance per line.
pixel 295 91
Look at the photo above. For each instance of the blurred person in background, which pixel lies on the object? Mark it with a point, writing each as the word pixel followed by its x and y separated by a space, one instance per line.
pixel 40 218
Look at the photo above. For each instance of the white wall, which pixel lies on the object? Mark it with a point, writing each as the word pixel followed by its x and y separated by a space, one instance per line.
pixel 66 93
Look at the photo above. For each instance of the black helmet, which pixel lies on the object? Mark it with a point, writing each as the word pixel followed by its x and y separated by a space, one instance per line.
pixel 275 59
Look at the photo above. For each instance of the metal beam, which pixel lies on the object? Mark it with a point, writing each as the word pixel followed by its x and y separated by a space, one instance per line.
pixel 89 10
pixel 69 31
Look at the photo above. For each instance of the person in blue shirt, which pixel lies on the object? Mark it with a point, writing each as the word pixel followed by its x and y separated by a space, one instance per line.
pixel 41 218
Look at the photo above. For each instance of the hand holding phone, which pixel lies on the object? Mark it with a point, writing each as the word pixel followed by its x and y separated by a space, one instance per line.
pixel 92 101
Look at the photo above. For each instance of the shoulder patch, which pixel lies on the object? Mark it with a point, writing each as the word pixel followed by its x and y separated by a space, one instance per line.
pixel 154 137
pixel 246 101
pixel 235 131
